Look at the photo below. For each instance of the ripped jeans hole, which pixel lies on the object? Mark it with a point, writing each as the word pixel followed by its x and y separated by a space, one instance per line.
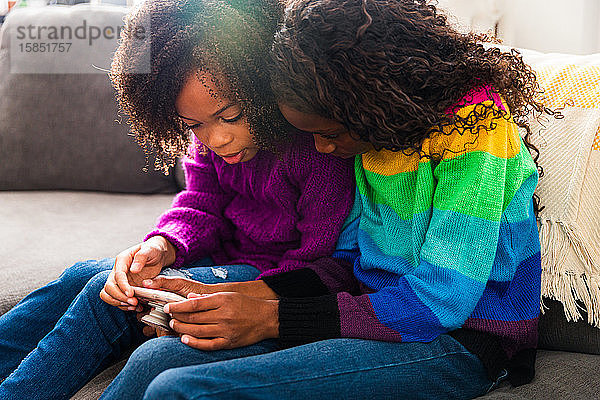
pixel 219 272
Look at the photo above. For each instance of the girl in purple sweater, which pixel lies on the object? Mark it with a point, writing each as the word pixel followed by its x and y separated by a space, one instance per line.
pixel 253 207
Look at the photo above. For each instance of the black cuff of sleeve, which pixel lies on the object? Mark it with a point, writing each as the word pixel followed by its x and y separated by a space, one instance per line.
pixel 305 320
pixel 302 282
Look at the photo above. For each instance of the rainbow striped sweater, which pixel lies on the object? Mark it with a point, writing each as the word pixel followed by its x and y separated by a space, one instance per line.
pixel 446 246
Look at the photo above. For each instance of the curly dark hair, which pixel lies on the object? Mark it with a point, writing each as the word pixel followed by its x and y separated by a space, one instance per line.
pixel 228 38
pixel 389 71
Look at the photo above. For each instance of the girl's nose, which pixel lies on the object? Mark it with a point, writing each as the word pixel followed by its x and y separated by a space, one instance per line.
pixel 323 145
pixel 218 138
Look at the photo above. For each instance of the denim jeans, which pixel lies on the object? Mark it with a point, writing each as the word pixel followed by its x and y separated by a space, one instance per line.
pixel 59 336
pixel 329 369
pixel 168 353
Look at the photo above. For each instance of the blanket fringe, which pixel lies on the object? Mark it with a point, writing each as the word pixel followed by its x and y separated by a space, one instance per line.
pixel 580 284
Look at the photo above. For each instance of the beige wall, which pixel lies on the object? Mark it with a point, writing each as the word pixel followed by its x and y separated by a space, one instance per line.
pixel 565 26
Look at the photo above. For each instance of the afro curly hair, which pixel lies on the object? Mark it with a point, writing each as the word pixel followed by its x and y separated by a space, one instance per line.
pixel 229 38
pixel 389 70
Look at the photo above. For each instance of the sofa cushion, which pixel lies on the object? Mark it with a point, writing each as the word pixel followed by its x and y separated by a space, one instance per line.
pixel 556 333
pixel 63 131
pixel 559 375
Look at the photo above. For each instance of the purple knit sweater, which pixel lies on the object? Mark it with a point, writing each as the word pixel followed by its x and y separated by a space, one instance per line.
pixel 275 213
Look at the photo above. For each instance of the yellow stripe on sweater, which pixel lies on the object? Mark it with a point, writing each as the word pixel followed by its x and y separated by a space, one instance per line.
pixel 503 141
pixel 388 163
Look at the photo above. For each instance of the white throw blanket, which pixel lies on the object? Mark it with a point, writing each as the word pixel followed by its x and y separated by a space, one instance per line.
pixel 570 189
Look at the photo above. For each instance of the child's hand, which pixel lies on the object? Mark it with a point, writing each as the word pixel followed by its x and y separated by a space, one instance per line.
pixel 181 286
pixel 224 320
pixel 132 266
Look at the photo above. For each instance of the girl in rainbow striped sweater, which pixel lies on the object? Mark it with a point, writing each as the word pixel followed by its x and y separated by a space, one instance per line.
pixel 443 239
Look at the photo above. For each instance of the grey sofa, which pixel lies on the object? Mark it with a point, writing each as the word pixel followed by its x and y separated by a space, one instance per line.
pixel 71 181
pixel 72 188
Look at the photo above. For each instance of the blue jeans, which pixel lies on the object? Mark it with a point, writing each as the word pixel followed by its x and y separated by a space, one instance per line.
pixel 61 335
pixel 167 353
pixel 330 369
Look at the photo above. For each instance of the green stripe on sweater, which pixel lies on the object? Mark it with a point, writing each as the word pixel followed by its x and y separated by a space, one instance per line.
pixel 469 184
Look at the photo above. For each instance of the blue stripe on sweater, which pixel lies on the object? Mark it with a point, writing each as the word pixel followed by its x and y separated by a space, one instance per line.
pixel 461 242
pixel 518 241
pixel 392 235
pixel 348 239
pixel 374 278
pixel 517 300
pixel 450 295
pixel 372 257
pixel 432 296
pixel 398 308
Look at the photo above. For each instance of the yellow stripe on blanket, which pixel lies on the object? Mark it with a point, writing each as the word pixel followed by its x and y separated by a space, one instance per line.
pixel 596 145
pixel 576 85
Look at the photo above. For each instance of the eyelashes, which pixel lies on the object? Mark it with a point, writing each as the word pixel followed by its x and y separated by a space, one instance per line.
pixel 232 120
pixel 226 120
pixel 323 135
pixel 332 136
pixel 192 127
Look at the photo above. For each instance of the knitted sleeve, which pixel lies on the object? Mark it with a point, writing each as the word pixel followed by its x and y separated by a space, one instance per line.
pixel 468 190
pixel 328 275
pixel 195 224
pixel 326 192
